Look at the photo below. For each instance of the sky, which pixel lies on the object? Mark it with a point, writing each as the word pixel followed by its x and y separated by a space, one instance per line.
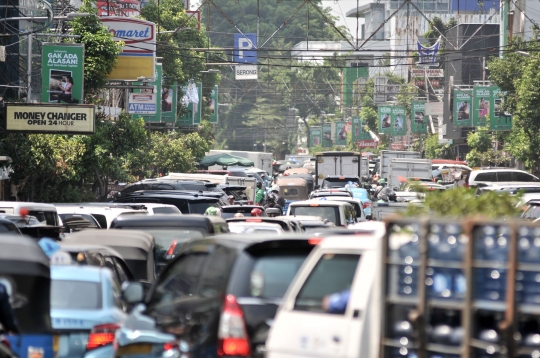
pixel 340 8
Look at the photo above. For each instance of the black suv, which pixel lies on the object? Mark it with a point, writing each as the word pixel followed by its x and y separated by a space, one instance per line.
pixel 187 204
pixel 220 294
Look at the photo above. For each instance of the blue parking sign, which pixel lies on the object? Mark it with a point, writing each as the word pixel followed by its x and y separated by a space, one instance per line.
pixel 245 48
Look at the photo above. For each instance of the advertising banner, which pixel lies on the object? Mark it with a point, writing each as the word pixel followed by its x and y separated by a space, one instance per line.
pixel 481 104
pixel 142 103
pixel 360 130
pixel 499 120
pixel 434 109
pixel 50 118
pixel 169 94
pixel 428 55
pixel 419 123
pixel 156 116
pixel 213 105
pixel 62 73
pixel 342 130
pixel 367 143
pixel 315 136
pixel 399 121
pixel 327 135
pixel 463 108
pixel 191 99
pixel 385 122
pixel 138 56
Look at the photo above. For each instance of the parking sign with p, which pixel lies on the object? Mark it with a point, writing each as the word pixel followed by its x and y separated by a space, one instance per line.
pixel 245 48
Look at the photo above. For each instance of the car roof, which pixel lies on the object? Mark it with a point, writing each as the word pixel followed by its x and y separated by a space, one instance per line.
pixel 117 238
pixel 241 242
pixel 16 250
pixel 347 199
pixel 499 169
pixel 285 180
pixel 181 194
pixel 319 203
pixel 370 241
pixel 77 273
pixel 165 220
pixel 73 246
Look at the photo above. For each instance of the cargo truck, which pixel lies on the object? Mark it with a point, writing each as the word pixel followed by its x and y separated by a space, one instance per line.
pixel 340 164
pixel 260 160
pixel 407 168
pixel 387 155
pixel 424 288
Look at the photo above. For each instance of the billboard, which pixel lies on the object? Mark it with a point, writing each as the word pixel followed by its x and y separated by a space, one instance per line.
pixel 194 109
pixel 463 108
pixel 245 48
pixel 327 135
pixel 213 105
pixel 499 120
pixel 62 73
pixel 50 118
pixel 169 100
pixel 342 131
pixel 481 105
pixel 156 116
pixel 142 103
pixel 419 119
pixel 385 125
pixel 138 57
pixel 399 121
pixel 315 136
pixel 360 130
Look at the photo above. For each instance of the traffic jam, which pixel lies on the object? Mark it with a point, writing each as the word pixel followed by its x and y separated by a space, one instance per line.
pixel 309 256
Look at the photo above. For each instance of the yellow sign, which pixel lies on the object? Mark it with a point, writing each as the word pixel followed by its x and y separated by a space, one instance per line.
pixel 48 118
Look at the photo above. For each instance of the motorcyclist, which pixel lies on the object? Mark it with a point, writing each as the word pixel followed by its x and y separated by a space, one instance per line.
pixel 384 193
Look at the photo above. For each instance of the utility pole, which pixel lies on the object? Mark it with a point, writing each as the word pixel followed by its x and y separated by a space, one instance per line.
pixel 29 70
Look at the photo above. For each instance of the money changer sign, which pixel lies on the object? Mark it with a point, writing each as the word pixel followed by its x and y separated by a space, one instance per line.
pixel 42 118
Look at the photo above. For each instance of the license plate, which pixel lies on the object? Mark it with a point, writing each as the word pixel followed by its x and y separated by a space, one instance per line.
pixel 134 349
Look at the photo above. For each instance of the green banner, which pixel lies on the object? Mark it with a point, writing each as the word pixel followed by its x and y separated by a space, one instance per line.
pixel 463 108
pixel 315 136
pixel 62 73
pixel 169 100
pixel 360 130
pixel 385 122
pixel 342 130
pixel 194 111
pixel 157 89
pixel 419 121
pixel 327 135
pixel 499 120
pixel 481 104
pixel 213 105
pixel 399 121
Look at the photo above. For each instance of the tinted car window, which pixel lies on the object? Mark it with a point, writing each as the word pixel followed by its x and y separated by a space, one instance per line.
pixel 162 187
pixel 9 227
pixel 332 274
pixel 272 274
pixel 532 212
pixel 199 207
pixel 504 176
pixel 78 295
pixel 101 219
pixel 524 177
pixel 331 213
pixel 485 177
pixel 44 217
pixel 215 275
pixel 164 210
pixel 196 187
pixel 290 192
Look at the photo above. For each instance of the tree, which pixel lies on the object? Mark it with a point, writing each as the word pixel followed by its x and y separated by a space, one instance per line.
pixel 482 152
pixel 518 76
pixel 434 150
pixel 100 50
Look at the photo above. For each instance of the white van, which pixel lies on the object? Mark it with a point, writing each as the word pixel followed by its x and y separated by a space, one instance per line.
pixel 305 325
pixel 356 203
pixel 338 212
pixel 103 214
pixel 484 177
pixel 46 214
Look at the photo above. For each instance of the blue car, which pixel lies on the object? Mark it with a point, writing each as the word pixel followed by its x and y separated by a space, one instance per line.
pixel 363 195
pixel 86 308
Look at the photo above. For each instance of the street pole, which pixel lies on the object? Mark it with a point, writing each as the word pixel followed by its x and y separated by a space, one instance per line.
pixel 29 70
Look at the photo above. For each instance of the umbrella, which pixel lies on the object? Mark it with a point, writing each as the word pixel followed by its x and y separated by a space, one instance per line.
pixel 225 160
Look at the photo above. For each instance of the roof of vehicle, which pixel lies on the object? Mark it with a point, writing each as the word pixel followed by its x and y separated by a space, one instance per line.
pixel 306 177
pixel 283 222
pixel 358 241
pixel 318 203
pixel 116 238
pixel 302 218
pixel 77 273
pixel 236 208
pixel 342 177
pixel 248 226
pixel 74 246
pixel 501 185
pixel 165 220
pixel 179 194
pixel 499 169
pixel 22 256
pixel 85 208
pixel 285 181
pixel 347 199
pixel 241 242
pixel 324 194
pixel 29 205
pixel 330 153
pixel 296 171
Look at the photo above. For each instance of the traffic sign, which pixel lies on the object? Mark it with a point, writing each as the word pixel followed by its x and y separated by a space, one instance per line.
pixel 245 48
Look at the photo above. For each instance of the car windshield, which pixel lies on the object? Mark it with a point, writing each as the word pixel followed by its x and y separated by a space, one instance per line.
pixel 80 220
pixel 361 194
pixel 272 274
pixel 44 217
pixel 338 183
pixel 325 212
pixel 165 210
pixel 75 295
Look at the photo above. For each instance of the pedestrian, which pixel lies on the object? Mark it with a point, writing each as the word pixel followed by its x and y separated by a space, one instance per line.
pixel 7 317
pixel 259 194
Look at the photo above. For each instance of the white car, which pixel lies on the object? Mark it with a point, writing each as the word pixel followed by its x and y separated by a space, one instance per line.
pixel 341 213
pixel 255 228
pixel 495 175
pixel 356 203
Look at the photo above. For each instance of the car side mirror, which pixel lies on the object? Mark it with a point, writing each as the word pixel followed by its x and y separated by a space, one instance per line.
pixel 133 292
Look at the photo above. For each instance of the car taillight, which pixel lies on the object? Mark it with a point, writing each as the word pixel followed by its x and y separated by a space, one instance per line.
pixel 101 335
pixel 171 345
pixel 232 334
pixel 170 251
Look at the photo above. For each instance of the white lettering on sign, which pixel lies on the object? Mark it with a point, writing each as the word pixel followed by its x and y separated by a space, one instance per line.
pixel 385 109
pixel 62 58
pixel 244 44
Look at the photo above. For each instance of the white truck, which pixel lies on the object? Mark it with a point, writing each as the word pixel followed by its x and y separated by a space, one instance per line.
pixel 260 160
pixel 379 211
pixel 249 183
pixel 387 155
pixel 423 288
pixel 344 164
pixel 407 168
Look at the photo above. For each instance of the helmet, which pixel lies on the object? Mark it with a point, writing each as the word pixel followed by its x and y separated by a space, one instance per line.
pixel 439 181
pixel 259 184
pixel 212 211
pixel 275 187
pixel 256 212
pixel 382 181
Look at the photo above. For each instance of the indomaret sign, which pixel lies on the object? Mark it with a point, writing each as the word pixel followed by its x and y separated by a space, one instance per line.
pixel 46 118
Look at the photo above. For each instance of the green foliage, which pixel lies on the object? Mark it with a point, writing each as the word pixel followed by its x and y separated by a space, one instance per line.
pixel 434 150
pixel 369 115
pixel 100 50
pixel 482 152
pixel 462 202
pixel 432 35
